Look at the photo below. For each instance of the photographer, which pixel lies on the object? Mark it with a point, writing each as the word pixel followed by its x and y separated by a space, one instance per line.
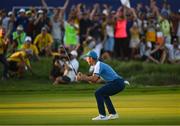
pixel 58 64
pixel 69 75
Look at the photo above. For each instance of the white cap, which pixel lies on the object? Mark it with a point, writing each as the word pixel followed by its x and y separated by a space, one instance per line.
pixel 28 39
pixel 157 26
pixel 22 10
pixel 10 13
pixel 74 53
pixel 179 11
pixel 44 29
pixel 40 11
pixel 90 38
pixel 20 28
pixel 105 12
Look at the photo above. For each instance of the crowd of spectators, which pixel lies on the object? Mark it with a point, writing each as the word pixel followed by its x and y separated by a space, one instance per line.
pixel 145 32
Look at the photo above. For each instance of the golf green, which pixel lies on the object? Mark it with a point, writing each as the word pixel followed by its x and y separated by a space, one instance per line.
pixel 77 108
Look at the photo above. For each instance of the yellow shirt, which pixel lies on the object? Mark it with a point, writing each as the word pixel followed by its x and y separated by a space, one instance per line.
pixel 43 41
pixel 134 33
pixel 1 46
pixel 19 57
pixel 151 36
pixel 32 47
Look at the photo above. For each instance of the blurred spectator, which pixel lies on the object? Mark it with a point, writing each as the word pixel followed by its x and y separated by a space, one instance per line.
pixel 159 50
pixel 174 52
pixel 22 19
pixel 69 75
pixel 5 20
pixel 109 38
pixel 3 46
pixel 11 24
pixel 71 38
pixel 178 28
pixel 19 62
pixel 30 46
pixel 41 21
pixel 57 25
pixel 121 41
pixel 135 39
pixel 44 41
pixel 18 37
pixel 58 64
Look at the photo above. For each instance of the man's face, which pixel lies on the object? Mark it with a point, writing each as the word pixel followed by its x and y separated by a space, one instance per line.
pixel 89 60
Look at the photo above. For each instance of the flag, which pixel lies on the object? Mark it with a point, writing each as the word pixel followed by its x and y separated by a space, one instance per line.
pixel 126 3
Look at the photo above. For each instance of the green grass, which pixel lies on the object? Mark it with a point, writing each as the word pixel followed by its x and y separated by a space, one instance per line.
pixel 153 105
pixel 152 99
pixel 138 73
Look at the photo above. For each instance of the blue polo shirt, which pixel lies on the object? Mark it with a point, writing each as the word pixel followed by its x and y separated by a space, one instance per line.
pixel 105 72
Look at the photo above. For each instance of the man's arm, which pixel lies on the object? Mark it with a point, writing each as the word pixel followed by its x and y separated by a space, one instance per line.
pixel 82 77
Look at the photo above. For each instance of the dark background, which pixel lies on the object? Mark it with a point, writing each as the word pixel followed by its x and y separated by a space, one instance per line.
pixel 8 4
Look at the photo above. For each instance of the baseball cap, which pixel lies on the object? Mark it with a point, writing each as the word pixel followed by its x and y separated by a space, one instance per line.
pixel 22 10
pixel 10 13
pixel 40 11
pixel 20 28
pixel 105 12
pixel 74 53
pixel 92 54
pixel 28 39
pixel 44 29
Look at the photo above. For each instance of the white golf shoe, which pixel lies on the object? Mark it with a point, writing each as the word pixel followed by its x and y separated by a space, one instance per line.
pixel 113 116
pixel 100 117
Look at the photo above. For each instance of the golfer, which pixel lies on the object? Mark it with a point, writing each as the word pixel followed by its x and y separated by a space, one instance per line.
pixel 114 84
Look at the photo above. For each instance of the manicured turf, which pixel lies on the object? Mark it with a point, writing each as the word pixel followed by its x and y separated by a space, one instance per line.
pixel 154 105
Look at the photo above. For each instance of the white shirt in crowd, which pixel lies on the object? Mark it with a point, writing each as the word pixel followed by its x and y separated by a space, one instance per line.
pixel 56 29
pixel 71 74
pixel 110 31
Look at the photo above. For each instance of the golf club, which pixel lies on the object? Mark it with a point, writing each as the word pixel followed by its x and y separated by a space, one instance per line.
pixel 69 60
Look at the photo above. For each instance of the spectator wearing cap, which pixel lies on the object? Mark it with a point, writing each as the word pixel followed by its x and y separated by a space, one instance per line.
pixel 165 26
pixel 11 24
pixel 19 62
pixel 3 45
pixel 22 19
pixel 18 37
pixel 159 51
pixel 41 21
pixel 28 45
pixel 44 41
pixel 31 18
pixel 69 75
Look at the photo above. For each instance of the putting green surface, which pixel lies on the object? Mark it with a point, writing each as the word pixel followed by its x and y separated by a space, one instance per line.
pixel 77 108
